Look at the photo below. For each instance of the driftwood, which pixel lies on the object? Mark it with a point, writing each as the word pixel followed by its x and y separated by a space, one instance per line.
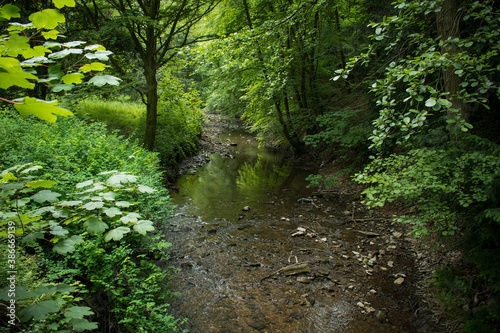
pixel 298 268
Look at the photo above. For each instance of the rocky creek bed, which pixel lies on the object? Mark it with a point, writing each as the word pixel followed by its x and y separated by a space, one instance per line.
pixel 292 260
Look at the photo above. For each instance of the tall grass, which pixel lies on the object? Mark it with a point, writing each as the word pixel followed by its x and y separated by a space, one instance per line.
pixel 125 116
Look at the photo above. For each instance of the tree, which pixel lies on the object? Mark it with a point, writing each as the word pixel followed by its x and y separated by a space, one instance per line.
pixel 276 58
pixel 157 30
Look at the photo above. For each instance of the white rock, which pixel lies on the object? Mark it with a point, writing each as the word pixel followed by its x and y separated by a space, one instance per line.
pixel 399 281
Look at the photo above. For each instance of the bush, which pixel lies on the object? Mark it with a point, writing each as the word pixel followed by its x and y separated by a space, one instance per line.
pixel 67 251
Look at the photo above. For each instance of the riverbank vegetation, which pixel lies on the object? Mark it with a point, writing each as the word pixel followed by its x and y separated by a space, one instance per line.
pixel 406 94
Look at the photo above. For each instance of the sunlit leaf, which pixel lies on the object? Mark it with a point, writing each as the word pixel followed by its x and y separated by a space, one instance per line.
pixel 95 66
pixel 143 226
pixel 101 80
pixel 47 19
pixel 74 78
pixel 78 312
pixel 62 3
pixel 43 110
pixel 9 11
pixel 116 234
pixel 100 55
pixel 45 195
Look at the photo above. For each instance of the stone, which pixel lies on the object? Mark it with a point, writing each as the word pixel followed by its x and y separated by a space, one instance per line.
pixel 304 279
pixel 397 234
pixel 399 281
pixel 380 315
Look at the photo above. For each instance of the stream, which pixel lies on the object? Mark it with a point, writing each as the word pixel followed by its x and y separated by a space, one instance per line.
pixel 245 217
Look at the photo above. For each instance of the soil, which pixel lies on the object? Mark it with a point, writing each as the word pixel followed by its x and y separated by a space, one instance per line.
pixel 358 271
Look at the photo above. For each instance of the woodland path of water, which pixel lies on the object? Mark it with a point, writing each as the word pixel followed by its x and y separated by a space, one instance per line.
pixel 246 216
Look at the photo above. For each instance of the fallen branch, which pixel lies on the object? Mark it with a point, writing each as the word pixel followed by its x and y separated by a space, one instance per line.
pixel 303 269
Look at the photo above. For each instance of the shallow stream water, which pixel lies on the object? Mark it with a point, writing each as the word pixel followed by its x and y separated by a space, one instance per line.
pixel 232 237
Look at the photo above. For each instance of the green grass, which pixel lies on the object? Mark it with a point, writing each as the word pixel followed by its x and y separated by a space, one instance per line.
pixel 127 117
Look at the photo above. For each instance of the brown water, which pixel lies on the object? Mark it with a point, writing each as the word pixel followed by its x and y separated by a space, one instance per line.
pixel 233 230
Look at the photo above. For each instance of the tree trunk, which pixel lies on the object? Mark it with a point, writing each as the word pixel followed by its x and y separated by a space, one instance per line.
pixel 152 106
pixel 447 21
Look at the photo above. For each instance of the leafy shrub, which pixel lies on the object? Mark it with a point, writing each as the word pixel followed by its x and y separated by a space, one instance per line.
pixel 57 228
pixel 72 151
pixel 179 120
pixel 446 185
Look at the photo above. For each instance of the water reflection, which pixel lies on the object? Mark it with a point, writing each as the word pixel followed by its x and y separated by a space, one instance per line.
pixel 222 187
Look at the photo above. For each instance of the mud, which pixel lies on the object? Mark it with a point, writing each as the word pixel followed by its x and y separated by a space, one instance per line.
pixel 237 229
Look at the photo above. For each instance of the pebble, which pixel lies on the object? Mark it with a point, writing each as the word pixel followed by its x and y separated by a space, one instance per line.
pixel 399 281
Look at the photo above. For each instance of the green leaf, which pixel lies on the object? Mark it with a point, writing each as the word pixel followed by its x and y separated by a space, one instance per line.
pixel 145 189
pixel 62 3
pixel 112 212
pixel 65 53
pixel 46 19
pixel 99 55
pixel 74 78
pixel 67 245
pixel 38 311
pixel 93 205
pixel 16 78
pixel 95 66
pixel 130 217
pixel 65 288
pixel 123 204
pixel 32 237
pixel 78 312
pixel 9 11
pixel 41 183
pixel 57 230
pixel 85 183
pixel 70 203
pixel 43 110
pixel 430 102
pixel 80 325
pixel 144 226
pixel 119 178
pixel 101 80
pixel 116 234
pixel 45 195
pixel 94 225
pixel 51 34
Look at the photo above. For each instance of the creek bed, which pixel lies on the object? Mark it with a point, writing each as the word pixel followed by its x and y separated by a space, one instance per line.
pixel 245 216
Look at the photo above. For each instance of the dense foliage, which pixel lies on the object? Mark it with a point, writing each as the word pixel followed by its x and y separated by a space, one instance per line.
pixel 436 137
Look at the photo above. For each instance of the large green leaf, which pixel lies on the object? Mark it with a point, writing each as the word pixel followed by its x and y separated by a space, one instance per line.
pixel 116 234
pixel 47 19
pixel 99 55
pixel 19 78
pixel 93 205
pixel 130 217
pixel 38 311
pixel 43 110
pixel 78 312
pixel 95 66
pixel 94 225
pixel 67 245
pixel 62 3
pixel 101 80
pixel 46 195
pixel 112 211
pixel 41 183
pixel 144 226
pixel 8 11
pixel 73 78
pixel 80 325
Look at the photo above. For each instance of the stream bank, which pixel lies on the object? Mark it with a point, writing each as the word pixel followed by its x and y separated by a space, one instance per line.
pixel 274 256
